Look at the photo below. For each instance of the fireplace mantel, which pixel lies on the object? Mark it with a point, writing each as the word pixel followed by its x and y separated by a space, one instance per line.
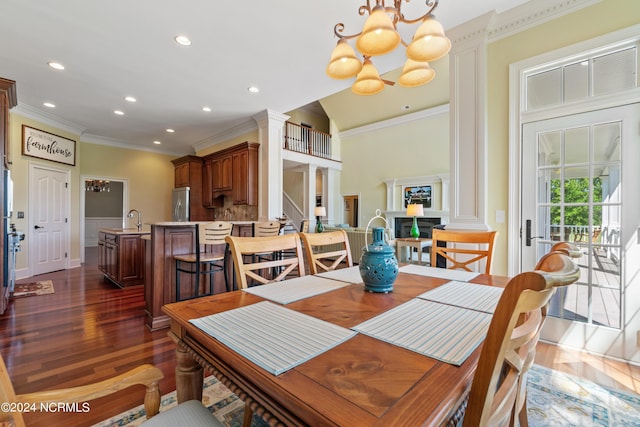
pixel 394 199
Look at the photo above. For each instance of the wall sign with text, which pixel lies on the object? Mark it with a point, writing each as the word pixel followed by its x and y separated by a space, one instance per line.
pixel 45 145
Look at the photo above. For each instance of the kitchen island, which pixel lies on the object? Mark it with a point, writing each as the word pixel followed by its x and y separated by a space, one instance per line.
pixel 168 239
pixel 121 255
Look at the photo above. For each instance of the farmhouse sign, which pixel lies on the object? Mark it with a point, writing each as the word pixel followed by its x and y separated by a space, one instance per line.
pixel 45 145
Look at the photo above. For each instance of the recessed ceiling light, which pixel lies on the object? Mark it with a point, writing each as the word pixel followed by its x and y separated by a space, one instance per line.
pixel 157 142
pixel 170 130
pixel 55 65
pixel 49 105
pixel 118 112
pixel 130 99
pixel 253 89
pixel 207 109
pixel 183 40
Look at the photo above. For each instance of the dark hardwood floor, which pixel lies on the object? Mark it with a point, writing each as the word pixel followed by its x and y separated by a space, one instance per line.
pixel 90 330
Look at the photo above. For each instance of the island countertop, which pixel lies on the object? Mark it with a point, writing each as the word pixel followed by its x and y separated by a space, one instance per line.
pixel 124 231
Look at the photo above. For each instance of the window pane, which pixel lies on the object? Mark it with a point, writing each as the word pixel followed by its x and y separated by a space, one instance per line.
pixel 576 81
pixel 544 89
pixel 609 177
pixel 606 142
pixel 576 145
pixel 549 148
pixel 576 185
pixel 614 72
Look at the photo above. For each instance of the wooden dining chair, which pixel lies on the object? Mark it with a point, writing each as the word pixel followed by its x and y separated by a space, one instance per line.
pixel 190 413
pixel 210 257
pixel 498 390
pixel 146 375
pixel 572 250
pixel 463 248
pixel 326 251
pixel 266 270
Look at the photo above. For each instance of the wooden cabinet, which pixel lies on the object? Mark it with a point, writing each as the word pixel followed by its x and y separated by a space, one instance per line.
pixel 7 101
pixel 189 173
pixel 221 173
pixel 121 258
pixel 233 172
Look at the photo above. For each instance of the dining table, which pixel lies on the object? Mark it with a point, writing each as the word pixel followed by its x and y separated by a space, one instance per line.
pixel 319 350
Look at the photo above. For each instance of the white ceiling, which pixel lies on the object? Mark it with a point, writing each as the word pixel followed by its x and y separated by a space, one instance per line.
pixel 116 48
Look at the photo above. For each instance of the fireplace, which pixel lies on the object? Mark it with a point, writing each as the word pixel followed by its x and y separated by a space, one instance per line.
pixel 425 224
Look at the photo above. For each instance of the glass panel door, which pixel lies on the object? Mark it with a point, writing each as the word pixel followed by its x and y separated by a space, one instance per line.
pixel 574 168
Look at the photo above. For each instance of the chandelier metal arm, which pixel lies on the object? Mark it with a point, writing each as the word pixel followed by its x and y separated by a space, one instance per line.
pixel 396 10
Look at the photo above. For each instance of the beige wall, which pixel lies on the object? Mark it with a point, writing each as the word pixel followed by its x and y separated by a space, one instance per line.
pixel 418 148
pixel 150 178
pixel 319 123
pixel 602 18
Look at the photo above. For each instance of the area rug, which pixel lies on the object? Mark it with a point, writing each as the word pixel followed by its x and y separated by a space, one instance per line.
pixel 558 399
pixel 554 399
pixel 31 289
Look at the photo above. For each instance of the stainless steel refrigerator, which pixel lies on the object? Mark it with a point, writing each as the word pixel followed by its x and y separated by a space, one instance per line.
pixel 180 204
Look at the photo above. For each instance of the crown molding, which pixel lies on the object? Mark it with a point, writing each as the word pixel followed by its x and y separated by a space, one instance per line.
pixel 533 13
pixel 40 116
pixel 495 26
pixel 112 142
pixel 230 133
pixel 396 121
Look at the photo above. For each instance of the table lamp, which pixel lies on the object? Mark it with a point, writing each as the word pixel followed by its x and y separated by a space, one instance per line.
pixel 415 210
pixel 318 212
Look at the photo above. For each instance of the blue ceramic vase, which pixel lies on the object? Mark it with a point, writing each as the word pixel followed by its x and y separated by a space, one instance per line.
pixel 378 264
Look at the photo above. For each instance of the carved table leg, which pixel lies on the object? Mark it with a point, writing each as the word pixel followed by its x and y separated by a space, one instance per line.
pixel 189 377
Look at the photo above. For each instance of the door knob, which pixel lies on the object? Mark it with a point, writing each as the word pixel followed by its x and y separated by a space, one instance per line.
pixel 528 236
pixel 37 226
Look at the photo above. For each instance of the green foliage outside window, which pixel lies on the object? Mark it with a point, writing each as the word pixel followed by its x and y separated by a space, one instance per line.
pixel 576 190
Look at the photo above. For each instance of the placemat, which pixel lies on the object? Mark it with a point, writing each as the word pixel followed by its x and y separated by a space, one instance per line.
pixel 295 289
pixel 440 273
pixel 467 295
pixel 349 275
pixel 272 336
pixel 440 331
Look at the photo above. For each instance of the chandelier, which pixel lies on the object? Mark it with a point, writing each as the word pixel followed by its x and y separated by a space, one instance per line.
pixel 380 36
pixel 96 185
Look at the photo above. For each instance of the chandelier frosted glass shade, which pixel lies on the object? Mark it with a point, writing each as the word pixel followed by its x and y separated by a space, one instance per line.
pixel 429 42
pixel 344 63
pixel 416 73
pixel 368 81
pixel 379 35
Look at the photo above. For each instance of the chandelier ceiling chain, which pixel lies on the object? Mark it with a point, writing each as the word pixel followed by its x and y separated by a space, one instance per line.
pixel 380 36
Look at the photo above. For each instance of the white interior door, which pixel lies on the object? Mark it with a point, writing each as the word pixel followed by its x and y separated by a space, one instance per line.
pixel 49 227
pixel 580 178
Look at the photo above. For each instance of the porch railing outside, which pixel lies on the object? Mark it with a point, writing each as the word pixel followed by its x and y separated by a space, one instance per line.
pixel 303 139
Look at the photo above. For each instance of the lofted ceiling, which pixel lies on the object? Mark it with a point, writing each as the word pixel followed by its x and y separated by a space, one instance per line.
pixel 119 48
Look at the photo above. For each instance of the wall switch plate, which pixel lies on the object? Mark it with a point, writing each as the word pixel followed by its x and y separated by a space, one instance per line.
pixel 500 217
pixel 20 214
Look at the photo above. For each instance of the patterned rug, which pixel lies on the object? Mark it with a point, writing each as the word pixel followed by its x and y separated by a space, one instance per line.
pixel 553 399
pixel 30 289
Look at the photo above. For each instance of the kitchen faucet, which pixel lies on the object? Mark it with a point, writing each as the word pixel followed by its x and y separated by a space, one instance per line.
pixel 130 215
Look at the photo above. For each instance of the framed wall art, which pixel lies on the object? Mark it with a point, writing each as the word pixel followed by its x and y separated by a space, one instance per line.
pixel 44 145
pixel 417 194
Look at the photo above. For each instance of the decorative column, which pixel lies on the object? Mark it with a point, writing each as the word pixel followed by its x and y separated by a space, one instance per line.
pixel 271 138
pixel 468 110
pixel 310 190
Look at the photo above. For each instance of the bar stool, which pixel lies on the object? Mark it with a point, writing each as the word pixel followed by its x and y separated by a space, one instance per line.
pixel 207 260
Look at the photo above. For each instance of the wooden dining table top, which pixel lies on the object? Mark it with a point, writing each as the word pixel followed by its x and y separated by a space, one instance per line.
pixel 361 382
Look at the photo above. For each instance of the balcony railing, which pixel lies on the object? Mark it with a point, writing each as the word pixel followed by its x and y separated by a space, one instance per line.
pixel 303 139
